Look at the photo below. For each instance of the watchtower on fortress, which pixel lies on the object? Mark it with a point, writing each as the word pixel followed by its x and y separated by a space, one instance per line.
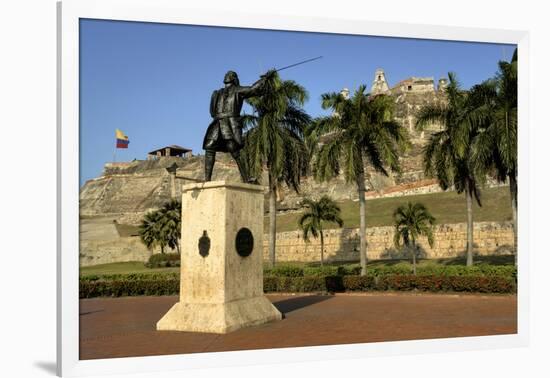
pixel 418 85
pixel 379 85
pixel 443 83
pixel 345 93
pixel 415 85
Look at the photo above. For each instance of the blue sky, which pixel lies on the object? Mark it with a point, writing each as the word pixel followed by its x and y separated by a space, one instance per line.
pixel 154 81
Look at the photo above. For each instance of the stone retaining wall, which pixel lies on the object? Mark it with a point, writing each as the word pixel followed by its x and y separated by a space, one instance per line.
pixel 343 244
pixel 94 252
pixel 490 238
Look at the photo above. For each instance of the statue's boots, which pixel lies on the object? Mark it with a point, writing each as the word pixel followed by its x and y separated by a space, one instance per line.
pixel 209 160
pixel 241 166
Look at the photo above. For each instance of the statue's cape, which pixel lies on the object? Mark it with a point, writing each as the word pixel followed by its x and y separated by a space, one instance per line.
pixel 211 133
pixel 224 124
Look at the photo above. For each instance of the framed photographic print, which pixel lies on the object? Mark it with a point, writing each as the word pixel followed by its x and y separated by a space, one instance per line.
pixel 281 189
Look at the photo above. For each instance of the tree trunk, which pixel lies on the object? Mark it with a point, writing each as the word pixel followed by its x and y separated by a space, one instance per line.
pixel 470 227
pixel 414 256
pixel 173 185
pixel 514 200
pixel 322 246
pixel 178 247
pixel 362 222
pixel 272 219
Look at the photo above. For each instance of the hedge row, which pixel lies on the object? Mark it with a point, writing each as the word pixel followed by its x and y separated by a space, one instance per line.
pixel 292 271
pixel 474 284
pixel 131 276
pixel 163 260
pixel 397 269
pixel 124 288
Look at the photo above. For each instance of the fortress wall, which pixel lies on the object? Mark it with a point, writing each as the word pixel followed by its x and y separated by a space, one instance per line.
pixel 124 193
pixel 94 252
pixel 134 218
pixel 101 243
pixel 490 238
pixel 425 186
pixel 121 249
pixel 343 244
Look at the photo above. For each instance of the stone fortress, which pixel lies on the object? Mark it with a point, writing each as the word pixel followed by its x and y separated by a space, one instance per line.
pixel 410 95
pixel 112 205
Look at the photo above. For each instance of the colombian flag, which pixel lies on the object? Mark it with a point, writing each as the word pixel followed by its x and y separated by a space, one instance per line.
pixel 122 140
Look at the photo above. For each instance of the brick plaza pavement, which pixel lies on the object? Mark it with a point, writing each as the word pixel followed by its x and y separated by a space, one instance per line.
pixel 124 327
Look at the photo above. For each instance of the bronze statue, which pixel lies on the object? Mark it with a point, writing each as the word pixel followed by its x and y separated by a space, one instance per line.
pixel 224 134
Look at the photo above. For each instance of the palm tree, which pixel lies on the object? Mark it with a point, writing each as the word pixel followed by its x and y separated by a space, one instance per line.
pixel 361 131
pixel 411 221
pixel 495 147
pixel 275 141
pixel 447 154
pixel 162 227
pixel 317 212
pixel 171 223
pixel 150 231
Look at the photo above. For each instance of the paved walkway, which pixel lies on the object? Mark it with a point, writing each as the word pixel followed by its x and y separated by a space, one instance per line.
pixel 124 327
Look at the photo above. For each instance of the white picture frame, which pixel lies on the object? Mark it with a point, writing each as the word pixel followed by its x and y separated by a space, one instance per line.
pixel 173 11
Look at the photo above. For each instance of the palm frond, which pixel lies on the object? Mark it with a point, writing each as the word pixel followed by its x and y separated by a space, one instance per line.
pixel 431 114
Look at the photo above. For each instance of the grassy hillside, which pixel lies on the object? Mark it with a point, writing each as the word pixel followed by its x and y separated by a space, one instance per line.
pixel 448 207
pixel 123 268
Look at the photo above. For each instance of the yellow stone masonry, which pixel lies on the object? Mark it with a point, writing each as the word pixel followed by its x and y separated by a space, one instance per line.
pixel 490 238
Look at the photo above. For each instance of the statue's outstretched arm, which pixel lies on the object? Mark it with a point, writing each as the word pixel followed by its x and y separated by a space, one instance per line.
pixel 255 89
pixel 258 87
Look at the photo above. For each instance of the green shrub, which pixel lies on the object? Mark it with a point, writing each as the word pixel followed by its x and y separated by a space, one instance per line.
pixel 162 260
pixel 397 282
pixel 481 279
pixel 326 270
pixel 294 284
pixel 498 270
pixel 431 283
pixel 403 268
pixel 385 270
pixel 461 270
pixel 90 277
pixel 120 288
pixel 285 271
pixel 131 276
pixel 135 285
pixel 270 284
pixel 473 284
pixel 359 283
pixel 312 283
pixel 349 270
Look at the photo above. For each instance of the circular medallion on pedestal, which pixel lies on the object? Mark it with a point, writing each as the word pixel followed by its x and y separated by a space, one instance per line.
pixel 244 242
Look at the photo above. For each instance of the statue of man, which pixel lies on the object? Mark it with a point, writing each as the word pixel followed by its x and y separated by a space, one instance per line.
pixel 224 134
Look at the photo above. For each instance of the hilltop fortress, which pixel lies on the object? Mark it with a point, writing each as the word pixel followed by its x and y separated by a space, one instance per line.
pixel 114 203
pixel 410 95
pixel 140 185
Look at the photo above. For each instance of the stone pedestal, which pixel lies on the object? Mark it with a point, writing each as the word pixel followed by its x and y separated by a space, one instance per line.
pixel 221 288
